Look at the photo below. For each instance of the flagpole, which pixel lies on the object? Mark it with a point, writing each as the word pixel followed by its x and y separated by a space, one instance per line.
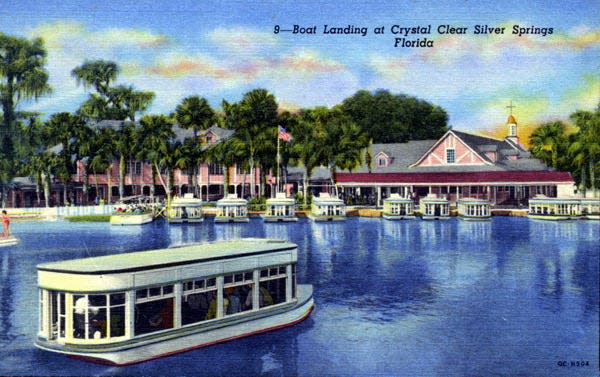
pixel 277 188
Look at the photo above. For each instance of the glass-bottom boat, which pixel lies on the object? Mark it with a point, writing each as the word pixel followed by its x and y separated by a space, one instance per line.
pixel 128 308
pixel 544 208
pixel 472 209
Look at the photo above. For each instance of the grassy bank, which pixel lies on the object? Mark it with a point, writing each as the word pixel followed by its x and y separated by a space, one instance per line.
pixel 96 218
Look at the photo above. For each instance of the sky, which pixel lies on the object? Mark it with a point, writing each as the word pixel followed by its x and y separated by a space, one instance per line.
pixel 222 49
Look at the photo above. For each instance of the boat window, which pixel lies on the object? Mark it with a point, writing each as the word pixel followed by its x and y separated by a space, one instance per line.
pixel 237 295
pixel 98 316
pixel 228 279
pixel 154 309
pixel 198 302
pixel 272 285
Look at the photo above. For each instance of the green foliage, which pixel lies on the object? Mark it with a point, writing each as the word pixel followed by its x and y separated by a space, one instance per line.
pixel 389 118
pixel 88 218
pixel 257 203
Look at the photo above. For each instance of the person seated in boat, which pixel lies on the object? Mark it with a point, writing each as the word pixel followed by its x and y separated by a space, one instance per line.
pixel 164 318
pixel 235 304
pixel 264 297
pixel 5 224
pixel 138 210
pixel 212 308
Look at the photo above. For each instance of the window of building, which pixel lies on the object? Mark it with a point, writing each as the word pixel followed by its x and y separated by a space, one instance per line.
pixel 381 161
pixel 215 169
pixel 450 156
pixel 134 167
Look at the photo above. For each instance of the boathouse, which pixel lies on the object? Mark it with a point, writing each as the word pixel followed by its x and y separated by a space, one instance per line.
pixel 457 165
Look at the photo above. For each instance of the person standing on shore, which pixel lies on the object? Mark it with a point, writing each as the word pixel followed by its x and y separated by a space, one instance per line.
pixel 5 224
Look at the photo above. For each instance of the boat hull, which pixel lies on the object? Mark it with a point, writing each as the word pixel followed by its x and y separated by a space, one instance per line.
pixel 554 217
pixel 474 218
pixel 326 218
pixel 132 219
pixel 188 220
pixel 276 219
pixel 398 217
pixel 9 241
pixel 232 219
pixel 428 217
pixel 182 340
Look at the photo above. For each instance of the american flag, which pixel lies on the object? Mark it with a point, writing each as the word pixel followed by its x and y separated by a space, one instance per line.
pixel 284 135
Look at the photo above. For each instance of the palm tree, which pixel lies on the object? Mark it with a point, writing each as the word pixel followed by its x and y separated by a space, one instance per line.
pixel 195 113
pixel 307 145
pixel 156 132
pixel 22 78
pixel 228 153
pixel 344 143
pixel 126 145
pixel 585 149
pixel 103 147
pixel 547 141
pixel 64 129
pixel 254 119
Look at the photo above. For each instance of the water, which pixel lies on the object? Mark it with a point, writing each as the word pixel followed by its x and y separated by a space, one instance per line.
pixel 508 297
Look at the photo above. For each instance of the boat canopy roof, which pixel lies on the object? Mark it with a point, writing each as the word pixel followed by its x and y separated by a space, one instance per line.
pixel 473 200
pixel 538 199
pixel 397 199
pixel 188 200
pixel 160 258
pixel 231 199
pixel 324 198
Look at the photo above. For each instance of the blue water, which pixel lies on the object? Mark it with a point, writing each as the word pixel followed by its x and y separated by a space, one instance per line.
pixel 508 297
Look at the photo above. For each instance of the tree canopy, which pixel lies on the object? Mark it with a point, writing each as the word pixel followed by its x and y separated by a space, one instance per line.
pixel 395 118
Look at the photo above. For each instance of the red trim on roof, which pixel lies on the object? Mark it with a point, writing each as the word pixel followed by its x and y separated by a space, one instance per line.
pixel 458 177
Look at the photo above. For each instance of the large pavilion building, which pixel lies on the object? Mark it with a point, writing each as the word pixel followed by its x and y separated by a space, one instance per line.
pixel 457 165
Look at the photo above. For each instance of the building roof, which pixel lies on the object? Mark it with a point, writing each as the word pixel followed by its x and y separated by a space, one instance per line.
pixel 441 178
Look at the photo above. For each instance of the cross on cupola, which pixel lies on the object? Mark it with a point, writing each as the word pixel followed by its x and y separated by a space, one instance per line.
pixel 512 124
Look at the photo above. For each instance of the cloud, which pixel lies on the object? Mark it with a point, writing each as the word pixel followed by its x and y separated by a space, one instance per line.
pixel 240 40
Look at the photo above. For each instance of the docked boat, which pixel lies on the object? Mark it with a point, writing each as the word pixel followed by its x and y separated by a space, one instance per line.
pixel 542 207
pixel 128 308
pixel 327 208
pixel 186 209
pixel 8 241
pixel 434 208
pixel 232 209
pixel 396 207
pixel 590 208
pixel 135 210
pixel 280 209
pixel 474 209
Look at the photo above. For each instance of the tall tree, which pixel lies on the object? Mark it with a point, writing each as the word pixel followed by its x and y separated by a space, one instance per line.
pixel 22 78
pixel 585 148
pixel 307 146
pixel 66 130
pixel 389 118
pixel 548 142
pixel 158 147
pixel 254 119
pixel 194 113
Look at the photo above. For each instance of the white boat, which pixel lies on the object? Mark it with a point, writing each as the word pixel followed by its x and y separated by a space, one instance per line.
pixel 232 209
pixel 396 207
pixel 542 207
pixel 280 209
pixel 135 210
pixel 186 209
pixel 434 208
pixel 128 308
pixel 590 208
pixel 327 208
pixel 8 241
pixel 474 209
